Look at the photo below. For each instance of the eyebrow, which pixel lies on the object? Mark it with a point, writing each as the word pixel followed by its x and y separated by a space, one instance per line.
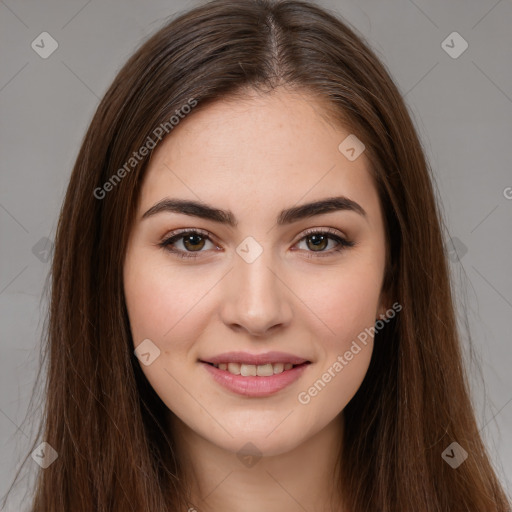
pixel 288 216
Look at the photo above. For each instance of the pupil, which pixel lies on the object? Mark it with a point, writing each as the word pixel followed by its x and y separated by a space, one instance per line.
pixel 317 240
pixel 187 241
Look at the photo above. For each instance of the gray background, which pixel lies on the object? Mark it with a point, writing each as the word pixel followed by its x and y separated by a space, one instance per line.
pixel 462 108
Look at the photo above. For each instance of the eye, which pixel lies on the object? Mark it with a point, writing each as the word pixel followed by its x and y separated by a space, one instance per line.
pixel 194 240
pixel 318 240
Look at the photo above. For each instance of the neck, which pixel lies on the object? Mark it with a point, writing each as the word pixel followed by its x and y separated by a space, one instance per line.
pixel 305 478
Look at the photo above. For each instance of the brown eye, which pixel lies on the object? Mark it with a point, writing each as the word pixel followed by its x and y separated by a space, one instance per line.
pixel 318 242
pixel 193 243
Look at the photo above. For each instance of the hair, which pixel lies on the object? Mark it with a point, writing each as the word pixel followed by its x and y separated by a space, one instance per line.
pixel 108 426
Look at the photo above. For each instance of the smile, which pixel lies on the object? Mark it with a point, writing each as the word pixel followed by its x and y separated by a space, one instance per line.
pixel 255 381
pixel 252 370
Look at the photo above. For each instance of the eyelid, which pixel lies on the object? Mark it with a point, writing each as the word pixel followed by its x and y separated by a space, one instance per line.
pixel 310 231
pixel 210 235
pixel 183 231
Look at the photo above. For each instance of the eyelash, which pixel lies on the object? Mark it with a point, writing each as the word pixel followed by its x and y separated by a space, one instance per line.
pixel 343 243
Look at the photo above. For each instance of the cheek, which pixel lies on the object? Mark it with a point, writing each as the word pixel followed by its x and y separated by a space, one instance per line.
pixel 164 306
pixel 160 300
pixel 344 305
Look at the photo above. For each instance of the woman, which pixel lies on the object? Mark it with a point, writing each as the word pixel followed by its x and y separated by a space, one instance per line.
pixel 250 303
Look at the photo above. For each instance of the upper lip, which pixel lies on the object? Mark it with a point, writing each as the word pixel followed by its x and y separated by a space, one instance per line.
pixel 256 359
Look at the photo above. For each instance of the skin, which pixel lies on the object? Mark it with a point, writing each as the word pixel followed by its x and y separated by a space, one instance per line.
pixel 255 157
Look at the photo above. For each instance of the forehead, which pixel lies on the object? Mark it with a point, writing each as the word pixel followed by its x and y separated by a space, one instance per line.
pixel 263 151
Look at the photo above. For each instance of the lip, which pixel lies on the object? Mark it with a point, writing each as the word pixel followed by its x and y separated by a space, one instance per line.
pixel 248 358
pixel 255 387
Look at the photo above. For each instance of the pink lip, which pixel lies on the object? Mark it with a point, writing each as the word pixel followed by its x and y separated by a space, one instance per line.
pixel 247 358
pixel 255 386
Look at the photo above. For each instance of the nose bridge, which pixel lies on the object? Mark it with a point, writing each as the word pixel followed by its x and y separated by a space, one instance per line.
pixel 257 300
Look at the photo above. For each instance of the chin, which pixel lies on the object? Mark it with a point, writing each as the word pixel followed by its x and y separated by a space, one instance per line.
pixel 257 445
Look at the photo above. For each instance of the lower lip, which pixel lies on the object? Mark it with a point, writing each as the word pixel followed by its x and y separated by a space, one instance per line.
pixel 255 386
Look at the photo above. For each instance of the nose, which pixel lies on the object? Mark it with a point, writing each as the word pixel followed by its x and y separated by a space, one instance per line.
pixel 256 298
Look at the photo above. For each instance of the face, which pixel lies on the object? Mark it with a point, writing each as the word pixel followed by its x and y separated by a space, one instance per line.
pixel 254 287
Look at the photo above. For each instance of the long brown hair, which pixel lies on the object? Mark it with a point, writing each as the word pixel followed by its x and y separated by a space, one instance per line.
pixel 115 450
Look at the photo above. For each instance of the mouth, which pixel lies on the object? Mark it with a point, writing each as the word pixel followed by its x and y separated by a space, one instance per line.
pixel 255 375
pixel 253 370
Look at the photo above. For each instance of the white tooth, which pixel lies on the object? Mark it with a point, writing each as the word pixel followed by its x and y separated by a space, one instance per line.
pixel 278 368
pixel 265 370
pixel 288 366
pixel 223 366
pixel 234 368
pixel 248 370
